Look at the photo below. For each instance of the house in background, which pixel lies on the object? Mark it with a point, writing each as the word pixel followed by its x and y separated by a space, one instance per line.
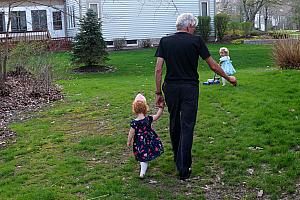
pixel 136 20
pixel 132 20
pixel 41 15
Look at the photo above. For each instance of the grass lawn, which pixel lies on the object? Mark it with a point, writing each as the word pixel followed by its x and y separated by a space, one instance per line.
pixel 246 138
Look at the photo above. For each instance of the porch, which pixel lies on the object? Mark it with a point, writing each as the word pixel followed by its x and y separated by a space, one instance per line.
pixel 54 44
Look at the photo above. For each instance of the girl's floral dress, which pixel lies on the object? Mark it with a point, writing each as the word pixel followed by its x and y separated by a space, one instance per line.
pixel 146 145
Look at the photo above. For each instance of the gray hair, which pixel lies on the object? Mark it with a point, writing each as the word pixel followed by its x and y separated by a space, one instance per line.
pixel 186 19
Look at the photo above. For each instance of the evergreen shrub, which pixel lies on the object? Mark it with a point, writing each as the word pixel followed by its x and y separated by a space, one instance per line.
pixel 89 47
pixel 221 22
pixel 203 27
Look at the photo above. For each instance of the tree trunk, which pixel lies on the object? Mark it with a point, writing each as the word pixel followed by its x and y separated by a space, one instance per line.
pixel 259 21
pixel 266 19
pixel 1 72
pixel 6 45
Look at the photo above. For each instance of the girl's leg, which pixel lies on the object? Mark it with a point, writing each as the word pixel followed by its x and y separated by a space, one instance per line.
pixel 144 166
pixel 223 81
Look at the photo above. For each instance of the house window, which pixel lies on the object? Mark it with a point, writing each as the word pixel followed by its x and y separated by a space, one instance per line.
pixel 73 13
pixel 71 17
pixel 109 43
pixel 18 21
pixel 2 22
pixel 95 8
pixel 131 42
pixel 204 8
pixel 57 20
pixel 68 17
pixel 39 20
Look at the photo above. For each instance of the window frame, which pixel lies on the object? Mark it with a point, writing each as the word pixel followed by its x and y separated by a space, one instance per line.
pixel 41 24
pixel 132 43
pixel 71 17
pixel 18 18
pixel 2 20
pixel 60 21
pixel 201 8
pixel 98 8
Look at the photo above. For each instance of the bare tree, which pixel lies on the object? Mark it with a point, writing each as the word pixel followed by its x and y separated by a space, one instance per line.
pixel 252 7
pixel 268 8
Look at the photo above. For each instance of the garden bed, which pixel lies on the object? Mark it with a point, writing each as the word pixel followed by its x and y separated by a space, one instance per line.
pixel 19 98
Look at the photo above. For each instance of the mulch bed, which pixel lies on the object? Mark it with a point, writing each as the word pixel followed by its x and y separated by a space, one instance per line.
pixel 18 98
pixel 94 69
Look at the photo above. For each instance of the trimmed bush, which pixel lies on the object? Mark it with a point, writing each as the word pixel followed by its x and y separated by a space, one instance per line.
pixel 247 28
pixel 287 53
pixel 203 27
pixel 221 22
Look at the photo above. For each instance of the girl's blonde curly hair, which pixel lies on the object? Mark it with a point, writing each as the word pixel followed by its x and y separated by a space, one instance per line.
pixel 139 107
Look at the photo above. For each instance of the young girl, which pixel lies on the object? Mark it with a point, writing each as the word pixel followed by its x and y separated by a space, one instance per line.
pixel 146 144
pixel 225 63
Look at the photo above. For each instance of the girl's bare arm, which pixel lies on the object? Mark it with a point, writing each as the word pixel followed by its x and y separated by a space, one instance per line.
pixel 158 114
pixel 130 137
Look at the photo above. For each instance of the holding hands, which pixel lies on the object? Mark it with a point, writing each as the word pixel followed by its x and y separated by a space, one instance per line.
pixel 159 101
pixel 232 80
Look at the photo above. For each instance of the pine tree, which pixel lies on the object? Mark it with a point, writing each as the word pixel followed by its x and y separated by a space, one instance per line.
pixel 89 47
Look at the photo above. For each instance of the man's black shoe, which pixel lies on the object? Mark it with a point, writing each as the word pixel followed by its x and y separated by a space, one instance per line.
pixel 185 176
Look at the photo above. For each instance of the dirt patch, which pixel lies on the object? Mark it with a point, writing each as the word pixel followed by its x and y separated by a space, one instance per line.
pixel 94 69
pixel 20 97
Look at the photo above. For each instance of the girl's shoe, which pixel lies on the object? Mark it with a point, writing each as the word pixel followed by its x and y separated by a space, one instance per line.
pixel 144 166
pixel 142 176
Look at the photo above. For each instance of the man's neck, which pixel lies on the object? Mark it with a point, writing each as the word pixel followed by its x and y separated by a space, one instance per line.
pixel 182 31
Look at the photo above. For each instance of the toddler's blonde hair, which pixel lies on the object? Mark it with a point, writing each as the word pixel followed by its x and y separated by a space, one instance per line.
pixel 139 107
pixel 224 49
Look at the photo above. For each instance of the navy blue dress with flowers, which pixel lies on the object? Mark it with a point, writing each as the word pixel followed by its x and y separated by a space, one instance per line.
pixel 146 145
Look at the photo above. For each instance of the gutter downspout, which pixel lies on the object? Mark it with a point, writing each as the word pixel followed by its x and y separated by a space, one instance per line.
pixel 65 18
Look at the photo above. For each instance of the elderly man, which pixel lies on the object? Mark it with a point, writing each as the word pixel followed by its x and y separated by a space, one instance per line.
pixel 181 51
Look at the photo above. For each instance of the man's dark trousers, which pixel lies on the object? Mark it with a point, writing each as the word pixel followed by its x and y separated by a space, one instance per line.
pixel 182 102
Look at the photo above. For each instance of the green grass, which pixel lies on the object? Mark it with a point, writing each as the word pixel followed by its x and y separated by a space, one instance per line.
pixel 76 149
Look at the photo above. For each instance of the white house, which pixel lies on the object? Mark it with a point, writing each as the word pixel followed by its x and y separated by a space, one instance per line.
pixel 133 20
pixel 37 16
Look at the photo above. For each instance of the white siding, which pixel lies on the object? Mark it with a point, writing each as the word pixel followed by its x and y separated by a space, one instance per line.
pixel 72 5
pixel 131 19
pixel 211 13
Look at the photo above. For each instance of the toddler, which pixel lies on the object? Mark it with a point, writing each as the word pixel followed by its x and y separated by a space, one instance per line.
pixel 225 63
pixel 146 144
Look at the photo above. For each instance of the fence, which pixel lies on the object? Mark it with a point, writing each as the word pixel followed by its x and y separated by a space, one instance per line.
pixel 25 36
pixel 54 44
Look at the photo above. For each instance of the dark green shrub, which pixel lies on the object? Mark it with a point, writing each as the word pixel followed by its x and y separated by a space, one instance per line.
pixel 221 22
pixel 89 47
pixel 247 28
pixel 204 27
pixel 257 33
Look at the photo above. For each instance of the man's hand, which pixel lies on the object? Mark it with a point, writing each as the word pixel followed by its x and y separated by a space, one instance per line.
pixel 159 100
pixel 216 68
pixel 232 80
